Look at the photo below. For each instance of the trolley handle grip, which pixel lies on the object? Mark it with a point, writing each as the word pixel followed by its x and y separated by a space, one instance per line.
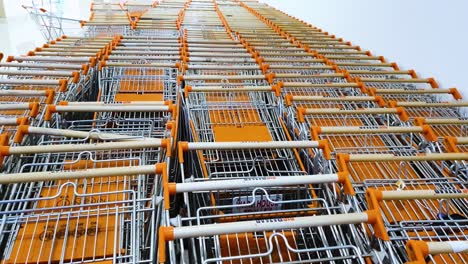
pixel 462 140
pixel 418 251
pixel 29 82
pixel 42 65
pixel 85 108
pixel 80 174
pixel 188 89
pixel 60 148
pixel 262 181
pixel 367 130
pixel 98 103
pixel 424 129
pixel 23 130
pixel 146 65
pixel 222 77
pixel 23 92
pixel 324 85
pixel 301 112
pixel 374 196
pixel 32 107
pixel 391 157
pixel 452 91
pixel 424 104
pixel 59 59
pixel 290 98
pixel 443 121
pixel 38 73
pixel 223 89
pixel 186 146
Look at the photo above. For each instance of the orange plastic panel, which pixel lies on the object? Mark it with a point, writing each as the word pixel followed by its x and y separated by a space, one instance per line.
pixel 135 85
pixel 138 85
pixel 249 244
pixel 76 239
pixel 244 133
pixel 133 97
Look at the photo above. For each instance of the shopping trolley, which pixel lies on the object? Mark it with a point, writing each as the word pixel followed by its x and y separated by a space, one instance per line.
pixel 325 89
pixel 93 219
pixel 269 240
pixel 138 8
pixel 430 209
pixel 228 205
pixel 221 68
pixel 9 124
pixel 238 113
pixel 122 82
pixel 112 205
pixel 399 83
pixel 418 251
pixel 164 20
pixel 31 110
pixel 295 104
pixel 368 139
pixel 433 110
pixel 418 95
pixel 119 115
pixel 232 77
pixel 225 160
pixel 46 86
pixel 79 86
pixel 52 25
pixel 404 166
pixel 302 119
pixel 444 126
pixel 48 135
pixel 150 57
pixel 219 160
pixel 107 19
pixel 391 74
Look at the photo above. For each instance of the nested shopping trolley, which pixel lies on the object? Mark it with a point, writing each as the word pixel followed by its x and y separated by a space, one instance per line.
pixel 398 165
pixel 24 94
pixel 380 139
pixel 75 73
pixel 429 210
pixel 233 113
pixel 306 117
pixel 226 160
pixel 161 21
pixel 70 68
pixel 445 126
pixel 42 86
pixel 419 251
pixel 75 189
pixel 126 81
pixel 50 22
pixel 455 109
pixel 249 190
pixel 138 8
pixel 131 118
pixel 107 19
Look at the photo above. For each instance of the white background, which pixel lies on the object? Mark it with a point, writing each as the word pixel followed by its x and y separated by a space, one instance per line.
pixel 19 34
pixel 428 36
